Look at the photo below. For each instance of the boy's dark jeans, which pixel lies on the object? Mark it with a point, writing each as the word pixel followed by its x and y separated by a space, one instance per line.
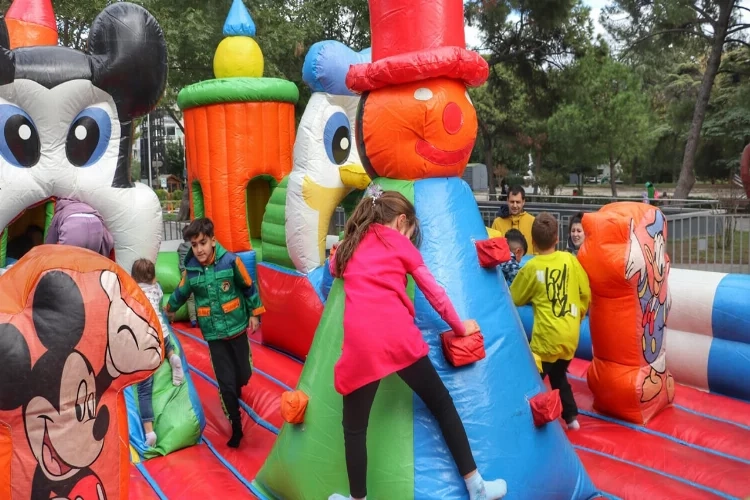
pixel 558 379
pixel 231 362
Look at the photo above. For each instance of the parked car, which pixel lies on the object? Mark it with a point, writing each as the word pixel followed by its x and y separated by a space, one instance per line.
pixel 605 180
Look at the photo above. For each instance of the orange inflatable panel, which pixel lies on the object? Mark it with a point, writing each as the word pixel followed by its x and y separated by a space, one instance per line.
pixel 75 330
pixel 227 146
pixel 625 257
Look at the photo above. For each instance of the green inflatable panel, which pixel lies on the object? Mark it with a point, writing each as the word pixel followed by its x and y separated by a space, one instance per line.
pixel 168 276
pixel 314 450
pixel 228 90
pixel 178 416
pixel 273 228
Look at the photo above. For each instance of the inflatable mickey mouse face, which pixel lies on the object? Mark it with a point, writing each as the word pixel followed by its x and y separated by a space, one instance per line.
pixel 66 123
pixel 417 130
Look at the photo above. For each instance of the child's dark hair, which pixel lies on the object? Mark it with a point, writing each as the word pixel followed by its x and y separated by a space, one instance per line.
pixel 516 236
pixel 381 210
pixel 544 231
pixel 199 226
pixel 184 233
pixel 143 271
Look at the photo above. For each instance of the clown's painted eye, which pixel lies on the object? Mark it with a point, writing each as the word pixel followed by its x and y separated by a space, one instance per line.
pixel 88 137
pixel 337 138
pixel 19 144
pixel 468 98
pixel 81 401
pixel 423 94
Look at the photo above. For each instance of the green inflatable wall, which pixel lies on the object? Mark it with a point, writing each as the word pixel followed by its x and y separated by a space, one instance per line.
pixel 168 276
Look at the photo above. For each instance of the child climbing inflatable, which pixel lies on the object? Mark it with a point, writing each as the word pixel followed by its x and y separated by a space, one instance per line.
pixel 377 243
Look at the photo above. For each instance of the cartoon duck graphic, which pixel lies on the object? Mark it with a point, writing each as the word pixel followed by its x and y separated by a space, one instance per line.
pixel 647 261
pixel 326 161
pixel 415 129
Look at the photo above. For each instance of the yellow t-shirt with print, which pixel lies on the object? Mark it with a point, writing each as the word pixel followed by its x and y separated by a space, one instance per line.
pixel 558 289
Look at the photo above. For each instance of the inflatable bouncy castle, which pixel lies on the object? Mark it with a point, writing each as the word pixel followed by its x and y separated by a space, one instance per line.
pixel 415 130
pixel 68 119
pixel 63 365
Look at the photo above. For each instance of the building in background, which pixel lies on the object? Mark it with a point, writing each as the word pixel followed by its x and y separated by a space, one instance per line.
pixel 164 130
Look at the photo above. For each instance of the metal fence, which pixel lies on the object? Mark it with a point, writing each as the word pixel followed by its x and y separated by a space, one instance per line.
pixel 708 240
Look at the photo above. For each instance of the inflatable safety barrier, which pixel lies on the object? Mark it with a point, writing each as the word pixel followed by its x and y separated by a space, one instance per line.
pixel 624 255
pixel 63 366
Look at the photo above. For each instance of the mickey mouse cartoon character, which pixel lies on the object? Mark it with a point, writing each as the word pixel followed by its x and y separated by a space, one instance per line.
pixel 64 419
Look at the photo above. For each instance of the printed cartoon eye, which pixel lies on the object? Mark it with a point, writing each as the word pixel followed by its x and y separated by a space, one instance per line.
pixel 423 94
pixel 88 137
pixel 19 144
pixel 337 138
pixel 81 401
pixel 91 405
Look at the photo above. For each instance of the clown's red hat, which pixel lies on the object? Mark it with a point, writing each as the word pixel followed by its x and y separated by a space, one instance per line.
pixel 30 23
pixel 416 40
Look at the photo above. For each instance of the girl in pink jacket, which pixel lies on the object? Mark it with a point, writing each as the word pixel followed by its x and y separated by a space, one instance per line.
pixel 380 337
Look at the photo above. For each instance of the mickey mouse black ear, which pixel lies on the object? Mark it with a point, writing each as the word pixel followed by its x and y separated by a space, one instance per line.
pixel 129 57
pixel 7 59
pixel 4 37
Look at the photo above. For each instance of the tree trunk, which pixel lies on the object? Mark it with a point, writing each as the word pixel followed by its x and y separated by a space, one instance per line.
pixel 613 174
pixel 687 173
pixel 491 182
pixel 185 204
pixel 176 119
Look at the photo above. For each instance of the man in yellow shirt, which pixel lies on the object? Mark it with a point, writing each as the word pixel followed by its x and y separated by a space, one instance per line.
pixel 518 218
pixel 558 289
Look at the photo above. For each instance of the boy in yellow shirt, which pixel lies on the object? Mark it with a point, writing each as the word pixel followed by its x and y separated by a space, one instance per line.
pixel 558 289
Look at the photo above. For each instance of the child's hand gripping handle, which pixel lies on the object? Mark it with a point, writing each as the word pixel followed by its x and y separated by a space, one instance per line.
pixel 465 348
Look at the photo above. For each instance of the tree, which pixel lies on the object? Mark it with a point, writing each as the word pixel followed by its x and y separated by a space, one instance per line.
pixel 716 23
pixel 605 117
pixel 174 162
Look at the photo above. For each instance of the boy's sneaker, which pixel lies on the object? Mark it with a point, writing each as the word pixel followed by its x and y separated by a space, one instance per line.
pixel 193 323
pixel 574 425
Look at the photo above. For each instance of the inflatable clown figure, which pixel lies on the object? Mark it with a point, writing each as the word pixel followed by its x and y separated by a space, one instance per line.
pixel 415 131
pixel 68 117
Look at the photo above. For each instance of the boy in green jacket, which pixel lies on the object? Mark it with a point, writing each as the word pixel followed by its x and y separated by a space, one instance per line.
pixel 227 304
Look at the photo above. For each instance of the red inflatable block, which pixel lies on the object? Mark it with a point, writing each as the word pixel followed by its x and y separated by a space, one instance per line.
pixel 293 310
pixel 493 252
pixel 546 407
pixel 462 350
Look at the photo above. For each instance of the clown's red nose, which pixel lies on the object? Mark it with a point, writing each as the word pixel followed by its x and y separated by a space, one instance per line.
pixel 453 118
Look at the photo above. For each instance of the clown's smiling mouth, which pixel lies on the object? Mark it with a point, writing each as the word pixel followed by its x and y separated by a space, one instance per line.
pixel 51 460
pixel 440 157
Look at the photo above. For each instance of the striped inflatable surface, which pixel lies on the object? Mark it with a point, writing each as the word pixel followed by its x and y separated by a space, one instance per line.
pixel 708 333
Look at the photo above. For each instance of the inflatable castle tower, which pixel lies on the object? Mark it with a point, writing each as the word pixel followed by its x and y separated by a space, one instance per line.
pixel 239 136
pixel 416 128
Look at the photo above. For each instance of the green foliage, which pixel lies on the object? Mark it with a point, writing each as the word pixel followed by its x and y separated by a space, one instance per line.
pixel 161 194
pixel 135 170
pixel 605 115
pixel 175 195
pixel 174 160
